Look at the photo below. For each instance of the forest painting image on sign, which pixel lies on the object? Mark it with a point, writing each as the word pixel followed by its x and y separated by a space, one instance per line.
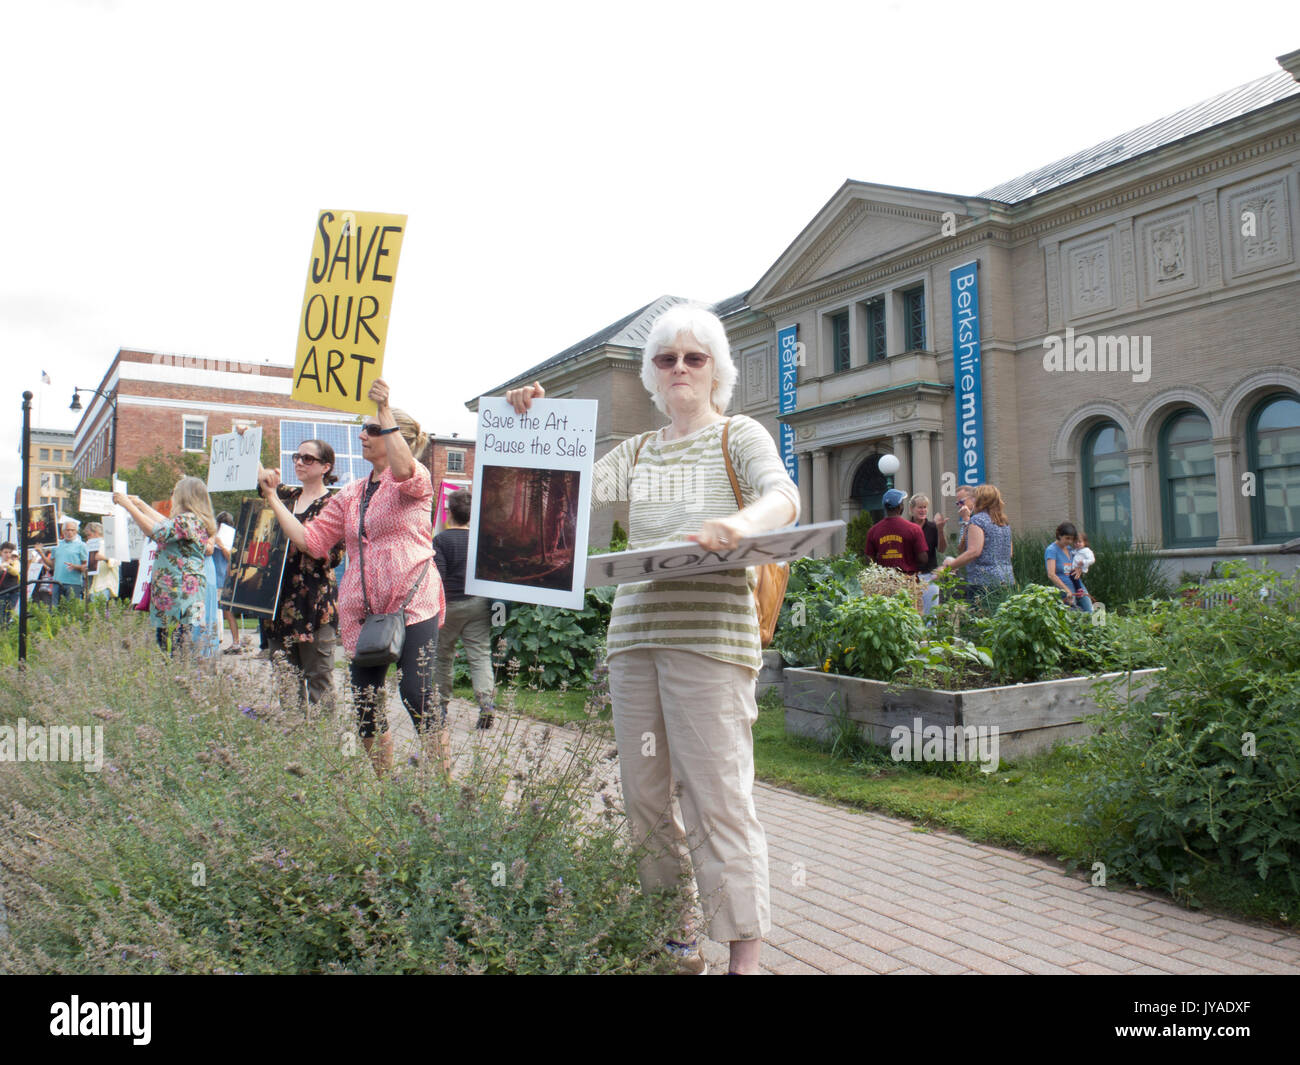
pixel 528 526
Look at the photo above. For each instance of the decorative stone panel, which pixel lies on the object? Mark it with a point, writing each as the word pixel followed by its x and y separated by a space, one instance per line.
pixel 1169 252
pixel 1090 276
pixel 1259 225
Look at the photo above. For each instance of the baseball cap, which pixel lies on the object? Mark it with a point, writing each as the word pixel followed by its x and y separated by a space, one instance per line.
pixel 894 497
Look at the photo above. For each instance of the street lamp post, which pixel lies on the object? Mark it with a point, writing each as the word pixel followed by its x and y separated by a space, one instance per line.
pixel 112 447
pixel 23 527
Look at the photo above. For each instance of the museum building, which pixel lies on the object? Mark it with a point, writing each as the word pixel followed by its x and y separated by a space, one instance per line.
pixel 1128 327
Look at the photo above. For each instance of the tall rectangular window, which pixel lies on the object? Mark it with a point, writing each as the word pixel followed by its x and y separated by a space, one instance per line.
pixel 45 454
pixel 914 319
pixel 455 462
pixel 876 350
pixel 194 434
pixel 840 341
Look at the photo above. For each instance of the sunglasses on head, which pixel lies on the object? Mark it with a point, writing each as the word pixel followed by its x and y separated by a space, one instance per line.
pixel 693 359
pixel 306 459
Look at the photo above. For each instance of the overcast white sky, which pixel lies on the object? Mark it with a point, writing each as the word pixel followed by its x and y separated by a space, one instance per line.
pixel 560 164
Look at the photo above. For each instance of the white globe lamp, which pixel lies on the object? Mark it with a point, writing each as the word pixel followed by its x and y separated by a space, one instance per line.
pixel 889 465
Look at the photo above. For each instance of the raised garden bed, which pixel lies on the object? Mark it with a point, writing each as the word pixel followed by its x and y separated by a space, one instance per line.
pixel 1029 717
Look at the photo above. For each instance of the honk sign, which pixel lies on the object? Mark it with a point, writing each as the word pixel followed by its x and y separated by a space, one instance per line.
pixel 344 322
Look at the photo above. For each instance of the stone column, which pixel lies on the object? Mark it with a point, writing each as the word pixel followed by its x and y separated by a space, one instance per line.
pixel 821 493
pixel 1231 532
pixel 936 471
pixel 805 488
pixel 903 452
pixel 1144 519
pixel 922 464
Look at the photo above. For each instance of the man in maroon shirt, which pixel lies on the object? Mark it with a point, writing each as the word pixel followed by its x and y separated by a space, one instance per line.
pixel 894 541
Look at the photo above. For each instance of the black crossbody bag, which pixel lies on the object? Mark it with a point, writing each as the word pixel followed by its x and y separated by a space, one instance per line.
pixel 382 635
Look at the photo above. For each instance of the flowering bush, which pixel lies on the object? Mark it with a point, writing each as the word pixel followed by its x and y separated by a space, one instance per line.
pixel 222 835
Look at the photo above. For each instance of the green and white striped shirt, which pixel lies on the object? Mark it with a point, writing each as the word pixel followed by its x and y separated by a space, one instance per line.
pixel 673 488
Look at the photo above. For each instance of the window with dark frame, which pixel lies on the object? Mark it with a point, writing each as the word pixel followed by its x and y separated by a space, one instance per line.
pixel 876 337
pixel 914 319
pixel 840 341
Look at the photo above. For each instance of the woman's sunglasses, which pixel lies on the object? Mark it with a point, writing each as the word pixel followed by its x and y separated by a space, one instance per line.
pixel 693 359
pixel 372 429
pixel 306 460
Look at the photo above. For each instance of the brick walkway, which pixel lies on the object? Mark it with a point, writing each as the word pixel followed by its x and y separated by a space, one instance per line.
pixel 856 892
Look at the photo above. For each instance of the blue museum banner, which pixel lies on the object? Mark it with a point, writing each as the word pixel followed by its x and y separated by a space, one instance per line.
pixel 788 345
pixel 966 372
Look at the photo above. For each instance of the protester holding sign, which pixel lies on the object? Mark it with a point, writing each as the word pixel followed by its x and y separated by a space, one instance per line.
pixel 176 586
pixel 684 655
pixel 304 631
pixel 385 521
pixel 67 561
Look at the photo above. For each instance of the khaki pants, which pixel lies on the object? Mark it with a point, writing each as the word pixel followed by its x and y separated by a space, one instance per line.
pixel 684 722
pixel 470 621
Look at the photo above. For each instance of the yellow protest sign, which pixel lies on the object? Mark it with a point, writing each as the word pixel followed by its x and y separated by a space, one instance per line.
pixel 344 321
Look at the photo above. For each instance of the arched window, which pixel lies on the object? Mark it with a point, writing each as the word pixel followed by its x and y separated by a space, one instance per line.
pixel 1273 453
pixel 1191 505
pixel 1106 507
pixel 870 485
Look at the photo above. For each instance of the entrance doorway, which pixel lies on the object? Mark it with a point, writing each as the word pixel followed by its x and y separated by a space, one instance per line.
pixel 870 485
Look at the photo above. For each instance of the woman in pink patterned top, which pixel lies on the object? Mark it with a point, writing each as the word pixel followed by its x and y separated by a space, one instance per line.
pixel 398 498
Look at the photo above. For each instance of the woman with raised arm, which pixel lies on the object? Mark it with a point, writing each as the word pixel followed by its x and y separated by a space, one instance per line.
pixel 684 655
pixel 305 629
pixel 384 519
pixel 177 586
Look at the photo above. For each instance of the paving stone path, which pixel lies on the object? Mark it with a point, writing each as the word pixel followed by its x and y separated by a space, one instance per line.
pixel 859 892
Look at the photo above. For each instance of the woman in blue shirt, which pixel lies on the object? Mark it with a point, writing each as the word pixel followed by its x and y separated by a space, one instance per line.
pixel 1059 559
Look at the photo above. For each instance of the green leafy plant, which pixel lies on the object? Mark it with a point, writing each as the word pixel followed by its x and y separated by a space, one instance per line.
pixel 1201 773
pixel 873 636
pixel 1028 634
pixel 949 663
pixel 552 647
pixel 618 537
pixel 855 536
pixel 817 588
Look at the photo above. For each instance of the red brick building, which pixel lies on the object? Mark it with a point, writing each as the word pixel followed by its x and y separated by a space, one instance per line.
pixel 450 458
pixel 177 402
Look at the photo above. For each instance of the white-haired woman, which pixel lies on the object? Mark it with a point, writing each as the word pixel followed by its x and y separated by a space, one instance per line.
pixel 684 654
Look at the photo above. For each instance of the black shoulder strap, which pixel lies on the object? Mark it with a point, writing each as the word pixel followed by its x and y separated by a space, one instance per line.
pixel 361 551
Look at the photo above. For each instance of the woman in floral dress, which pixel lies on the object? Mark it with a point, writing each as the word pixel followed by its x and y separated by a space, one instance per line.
pixel 177 587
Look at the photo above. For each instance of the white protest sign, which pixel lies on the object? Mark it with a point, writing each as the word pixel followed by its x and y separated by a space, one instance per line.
pixel 117 523
pixel 232 466
pixel 95 502
pixel 226 534
pixel 688 559
pixel 532 501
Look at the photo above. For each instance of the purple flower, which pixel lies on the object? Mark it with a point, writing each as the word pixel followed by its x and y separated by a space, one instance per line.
pixel 248 711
